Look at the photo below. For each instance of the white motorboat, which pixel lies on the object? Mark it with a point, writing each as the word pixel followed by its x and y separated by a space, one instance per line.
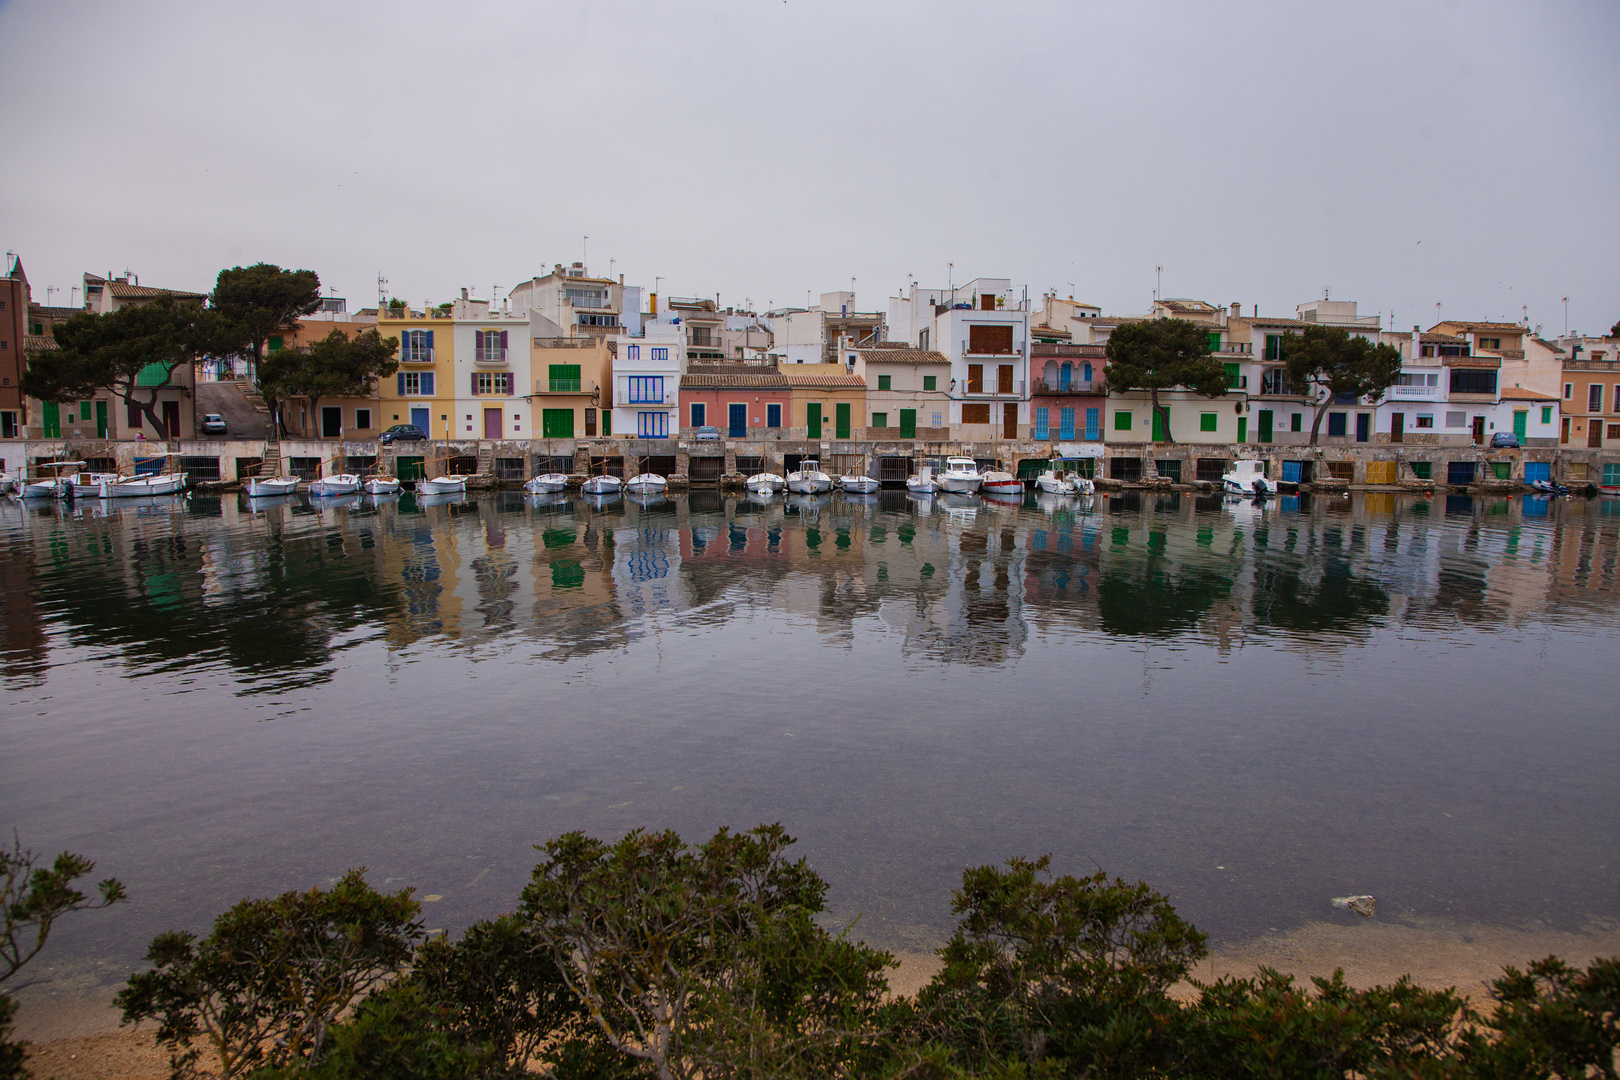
pixel 1249 478
pixel 87 485
pixel 1083 485
pixel 808 479
pixel 1054 483
pixel 135 487
pixel 547 484
pixel 922 482
pixel 994 482
pixel 859 485
pixel 442 485
pixel 340 484
pixel 382 485
pixel 268 487
pixel 961 476
pixel 602 485
pixel 8 483
pixel 765 483
pixel 646 484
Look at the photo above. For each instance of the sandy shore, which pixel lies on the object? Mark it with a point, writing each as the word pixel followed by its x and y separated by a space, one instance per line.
pixel 78 1038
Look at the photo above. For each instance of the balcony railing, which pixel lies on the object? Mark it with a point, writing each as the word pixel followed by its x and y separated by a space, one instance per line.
pixel 1415 393
pixel 564 386
pixel 1017 391
pixel 490 356
pixel 626 398
pixel 1078 386
pixel 416 356
pixel 1245 348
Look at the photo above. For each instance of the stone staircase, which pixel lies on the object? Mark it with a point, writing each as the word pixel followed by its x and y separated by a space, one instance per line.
pixel 251 393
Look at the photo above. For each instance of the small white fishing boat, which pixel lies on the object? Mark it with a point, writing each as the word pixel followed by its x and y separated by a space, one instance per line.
pixel 961 476
pixel 268 487
pixel 1249 478
pixel 808 479
pixel 922 482
pixel 547 484
pixel 765 483
pixel 602 485
pixel 52 486
pixel 340 484
pixel 859 485
pixel 136 487
pixel 646 484
pixel 8 483
pixel 382 485
pixel 995 482
pixel 87 485
pixel 442 485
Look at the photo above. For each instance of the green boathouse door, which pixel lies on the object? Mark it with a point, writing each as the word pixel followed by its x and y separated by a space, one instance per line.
pixel 1265 425
pixel 841 420
pixel 812 420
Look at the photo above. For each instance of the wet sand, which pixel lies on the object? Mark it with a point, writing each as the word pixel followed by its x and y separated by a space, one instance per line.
pixel 78 1039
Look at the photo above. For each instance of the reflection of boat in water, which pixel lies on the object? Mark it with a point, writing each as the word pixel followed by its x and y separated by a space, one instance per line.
pixel 952 500
pixel 547 484
pixel 859 498
pixel 1003 498
pixel 602 501
pixel 256 503
pixel 336 502
pixel 1249 478
pixel 806 502
pixel 647 499
pixel 441 498
pixel 546 498
pixel 760 497
pixel 382 498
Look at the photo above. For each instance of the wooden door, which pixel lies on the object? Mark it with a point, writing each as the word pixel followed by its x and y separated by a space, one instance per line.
pixel 171 418
pixel 1479 430
pixel 975 379
pixel 841 420
pixel 1004 379
pixel 1397 427
pixel 492 423
pixel 1363 427
pixel 1594 431
pixel 812 420
pixel 101 419
pixel 1009 418
pixel 1563 436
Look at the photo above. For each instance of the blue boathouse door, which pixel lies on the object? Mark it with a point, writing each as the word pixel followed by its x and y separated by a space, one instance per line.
pixel 737 420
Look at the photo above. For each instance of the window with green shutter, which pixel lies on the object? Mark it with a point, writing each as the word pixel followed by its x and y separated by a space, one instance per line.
pixel 562 378
pixel 1233 377
pixel 880 419
pixel 1546 414
pixel 1122 421
pixel 930 382
pixel 1296 422
pixel 152 375
pixel 908 423
pixel 1208 421
pixel 883 382
pixel 1213 338
pixel 1274 347
pixel 275 344
pixel 557 423
pixel 84 410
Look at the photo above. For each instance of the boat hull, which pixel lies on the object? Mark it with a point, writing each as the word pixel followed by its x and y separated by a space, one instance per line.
pixel 765 483
pixel 813 484
pixel 342 484
pixel 959 485
pixel 858 485
pixel 646 484
pixel 382 485
pixel 602 485
pixel 271 487
pixel 547 484
pixel 442 485
pixel 1002 487
pixel 167 484
pixel 918 486
pixel 47 489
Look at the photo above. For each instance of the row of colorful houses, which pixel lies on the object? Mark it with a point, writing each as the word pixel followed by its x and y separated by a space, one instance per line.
pixel 568 356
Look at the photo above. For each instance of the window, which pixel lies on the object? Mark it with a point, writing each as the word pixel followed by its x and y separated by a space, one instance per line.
pixel 975 380
pixel 1418 378
pixel 880 419
pixel 1456 419
pixel 1234 380
pixel 632 352
pixel 1093 425
pixel 1296 422
pixel 930 382
pixel 1122 421
pixel 8 425
pixel 275 344
pixel 773 415
pixel 976 414
pixel 1490 343
pixel 1473 381
pixel 415 382
pixel 599 320
pixel 660 354
pixel 883 384
pixel 1338 423
pixel 646 390
pixel 995 340
pixel 362 419
pixel 1594 398
pixel 562 378
pixel 1274 350
pixel 1611 474
pixel 1066 422
pixel 133 415
pixel 582 296
pixel 1569 391
pixel 1546 414
pixel 1617 397
pixel 416 346
pixel 1004 379
pixel 652 425
pixel 698 414
pixel 922 343
pixel 938 419
pixel 1425 420
pixel 492 382
pixel 1088 371
pixel 557 423
pixel 1208 421
pixel 1212 338
pixel 1042 422
pixel 1423 470
pixel 489 346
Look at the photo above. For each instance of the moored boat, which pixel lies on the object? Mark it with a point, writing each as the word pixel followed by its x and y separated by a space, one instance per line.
pixel 646 484
pixel 1249 478
pixel 765 483
pixel 135 487
pixel 858 485
pixel 995 482
pixel 442 485
pixel 808 479
pixel 268 487
pixel 960 476
pixel 340 484
pixel 87 485
pixel 382 485
pixel 922 482
pixel 602 485
pixel 547 484
pixel 1054 483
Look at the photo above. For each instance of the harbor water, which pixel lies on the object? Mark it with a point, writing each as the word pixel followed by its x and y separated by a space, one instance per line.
pixel 1253 707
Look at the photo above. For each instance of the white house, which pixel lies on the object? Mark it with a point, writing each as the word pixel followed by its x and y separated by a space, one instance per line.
pixel 983 330
pixel 491 376
pixel 646 383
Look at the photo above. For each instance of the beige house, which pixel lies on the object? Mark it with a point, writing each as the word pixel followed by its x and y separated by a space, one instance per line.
pixel 573 385
pixel 826 399
pixel 907 391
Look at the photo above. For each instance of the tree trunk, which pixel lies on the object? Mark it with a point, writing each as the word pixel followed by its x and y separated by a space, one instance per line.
pixel 1168 437
pixel 1321 411
pixel 148 410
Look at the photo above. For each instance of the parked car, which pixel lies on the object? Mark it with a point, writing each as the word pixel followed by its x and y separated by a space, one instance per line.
pixel 402 433
pixel 1505 438
pixel 706 434
pixel 213 424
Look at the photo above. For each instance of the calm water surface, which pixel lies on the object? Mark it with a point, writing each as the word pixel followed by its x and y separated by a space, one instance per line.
pixel 1253 708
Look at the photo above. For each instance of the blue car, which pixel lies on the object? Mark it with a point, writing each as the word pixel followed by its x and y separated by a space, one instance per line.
pixel 1504 439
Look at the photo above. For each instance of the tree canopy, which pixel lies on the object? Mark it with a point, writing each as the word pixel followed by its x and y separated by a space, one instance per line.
pixel 132 353
pixel 335 366
pixel 1329 361
pixel 263 299
pixel 1161 354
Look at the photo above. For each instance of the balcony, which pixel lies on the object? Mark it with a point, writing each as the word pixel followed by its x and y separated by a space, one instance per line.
pixel 1236 348
pixel 417 356
pixel 564 386
pixel 625 399
pixel 1017 391
pixel 1414 393
pixel 1078 386
pixel 490 356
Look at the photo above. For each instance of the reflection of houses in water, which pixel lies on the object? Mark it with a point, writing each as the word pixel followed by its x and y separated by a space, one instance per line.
pixel 646 564
pixel 24 651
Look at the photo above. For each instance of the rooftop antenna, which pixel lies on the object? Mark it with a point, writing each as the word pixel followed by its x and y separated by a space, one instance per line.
pixel 950 279
pixel 1158 282
pixel 382 290
pixel 1071 290
pixel 73 296
pixel 11 262
pixel 48 290
pixel 1437 312
pixel 584 252
pixel 1566 316
pixel 611 264
pixel 1524 310
pixel 1327 291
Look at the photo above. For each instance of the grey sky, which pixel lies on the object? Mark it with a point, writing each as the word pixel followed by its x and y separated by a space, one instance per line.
pixel 1401 153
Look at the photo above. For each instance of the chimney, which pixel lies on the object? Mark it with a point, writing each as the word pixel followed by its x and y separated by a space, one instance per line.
pixel 1237 310
pixel 1257 311
pixel 464 294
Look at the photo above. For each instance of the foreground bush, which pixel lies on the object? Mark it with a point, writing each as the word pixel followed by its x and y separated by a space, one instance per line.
pixel 650 957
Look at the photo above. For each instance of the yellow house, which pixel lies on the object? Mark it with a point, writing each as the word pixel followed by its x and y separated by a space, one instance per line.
pixel 573 380
pixel 828 402
pixel 350 417
pixel 423 392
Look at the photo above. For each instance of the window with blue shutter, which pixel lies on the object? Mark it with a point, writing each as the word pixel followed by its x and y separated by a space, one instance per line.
pixel 427 377
pixel 1042 422
pixel 1066 422
pixel 1093 424
pixel 402 384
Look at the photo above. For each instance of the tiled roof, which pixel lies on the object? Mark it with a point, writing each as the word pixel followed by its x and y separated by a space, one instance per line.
pixel 1267 320
pixel 826 381
pixel 1519 393
pixel 1505 327
pixel 38 343
pixel 1196 306
pixel 757 380
pixel 54 312
pixel 903 355
pixel 1548 345
pixel 145 292
pixel 1429 337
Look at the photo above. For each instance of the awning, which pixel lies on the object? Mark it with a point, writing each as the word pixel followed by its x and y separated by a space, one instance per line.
pixel 1078 450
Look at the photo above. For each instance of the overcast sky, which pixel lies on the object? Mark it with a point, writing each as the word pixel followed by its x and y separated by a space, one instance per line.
pixel 1400 153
